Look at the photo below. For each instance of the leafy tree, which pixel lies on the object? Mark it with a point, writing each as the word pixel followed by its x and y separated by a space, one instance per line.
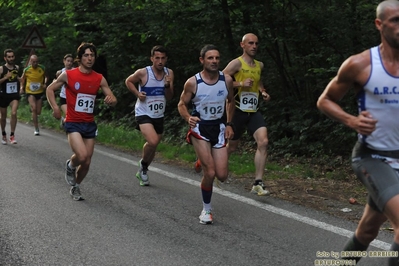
pixel 302 44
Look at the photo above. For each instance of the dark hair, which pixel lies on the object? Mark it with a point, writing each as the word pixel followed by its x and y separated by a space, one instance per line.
pixel 8 51
pixel 68 55
pixel 82 48
pixel 159 48
pixel 207 48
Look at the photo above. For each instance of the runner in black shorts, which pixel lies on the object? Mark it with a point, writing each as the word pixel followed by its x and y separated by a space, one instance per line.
pixel 212 133
pixel 158 123
pixel 68 64
pixel 249 89
pixel 246 121
pixel 153 87
pixel 208 91
pixel 6 101
pixel 62 101
pixel 9 94
pixel 37 97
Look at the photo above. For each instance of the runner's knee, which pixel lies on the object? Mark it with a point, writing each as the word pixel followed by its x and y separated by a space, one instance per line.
pixel 262 143
pixel 208 172
pixel 153 143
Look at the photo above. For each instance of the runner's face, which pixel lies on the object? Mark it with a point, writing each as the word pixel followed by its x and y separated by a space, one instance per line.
pixel 68 62
pixel 88 59
pixel 34 62
pixel 250 45
pixel 10 58
pixel 211 61
pixel 390 27
pixel 159 60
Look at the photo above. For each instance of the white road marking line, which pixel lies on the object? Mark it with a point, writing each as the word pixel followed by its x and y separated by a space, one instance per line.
pixel 306 220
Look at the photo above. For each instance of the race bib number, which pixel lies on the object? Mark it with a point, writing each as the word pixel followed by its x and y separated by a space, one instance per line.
pixel 11 88
pixel 85 103
pixel 212 110
pixel 35 86
pixel 156 106
pixel 248 101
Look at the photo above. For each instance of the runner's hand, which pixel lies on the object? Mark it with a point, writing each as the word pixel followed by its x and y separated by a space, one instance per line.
pixel 265 96
pixel 193 120
pixel 142 96
pixel 229 132
pixel 364 123
pixel 57 113
pixel 110 100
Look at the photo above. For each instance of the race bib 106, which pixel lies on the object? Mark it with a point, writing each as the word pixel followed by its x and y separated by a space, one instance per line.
pixel 156 106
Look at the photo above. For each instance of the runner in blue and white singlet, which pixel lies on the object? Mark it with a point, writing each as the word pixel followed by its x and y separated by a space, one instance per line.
pixel 208 104
pixel 155 87
pixel 212 97
pixel 62 92
pixel 380 93
pixel 209 100
pixel 68 64
pixel 374 77
pixel 155 102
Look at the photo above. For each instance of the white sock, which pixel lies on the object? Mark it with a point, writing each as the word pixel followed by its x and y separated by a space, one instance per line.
pixel 207 206
pixel 70 165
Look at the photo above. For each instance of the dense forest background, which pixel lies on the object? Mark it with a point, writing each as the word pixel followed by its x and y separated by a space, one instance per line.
pixel 302 44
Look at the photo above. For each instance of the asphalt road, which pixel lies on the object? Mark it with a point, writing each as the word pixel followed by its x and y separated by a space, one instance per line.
pixel 121 223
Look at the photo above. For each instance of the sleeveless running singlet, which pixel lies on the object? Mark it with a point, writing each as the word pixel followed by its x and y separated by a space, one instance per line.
pixel 62 92
pixel 34 79
pixel 380 96
pixel 10 87
pixel 81 92
pixel 247 99
pixel 155 102
pixel 209 100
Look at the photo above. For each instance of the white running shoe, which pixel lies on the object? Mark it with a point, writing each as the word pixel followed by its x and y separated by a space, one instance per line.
pixel 206 217
pixel 4 140
pixel 142 175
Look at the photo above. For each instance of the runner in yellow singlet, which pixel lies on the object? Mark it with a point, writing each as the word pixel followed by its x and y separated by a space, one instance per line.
pixel 35 80
pixel 248 89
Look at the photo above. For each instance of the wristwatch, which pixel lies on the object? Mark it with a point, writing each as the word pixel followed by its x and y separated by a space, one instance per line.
pixel 229 124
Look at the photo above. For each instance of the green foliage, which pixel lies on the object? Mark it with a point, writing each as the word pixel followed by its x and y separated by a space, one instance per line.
pixel 241 163
pixel 120 136
pixel 302 44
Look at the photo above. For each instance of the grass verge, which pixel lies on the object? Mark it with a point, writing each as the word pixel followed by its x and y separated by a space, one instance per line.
pixel 241 164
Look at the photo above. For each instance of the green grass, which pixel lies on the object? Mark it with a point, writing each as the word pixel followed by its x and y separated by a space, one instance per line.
pixel 119 136
pixel 130 139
